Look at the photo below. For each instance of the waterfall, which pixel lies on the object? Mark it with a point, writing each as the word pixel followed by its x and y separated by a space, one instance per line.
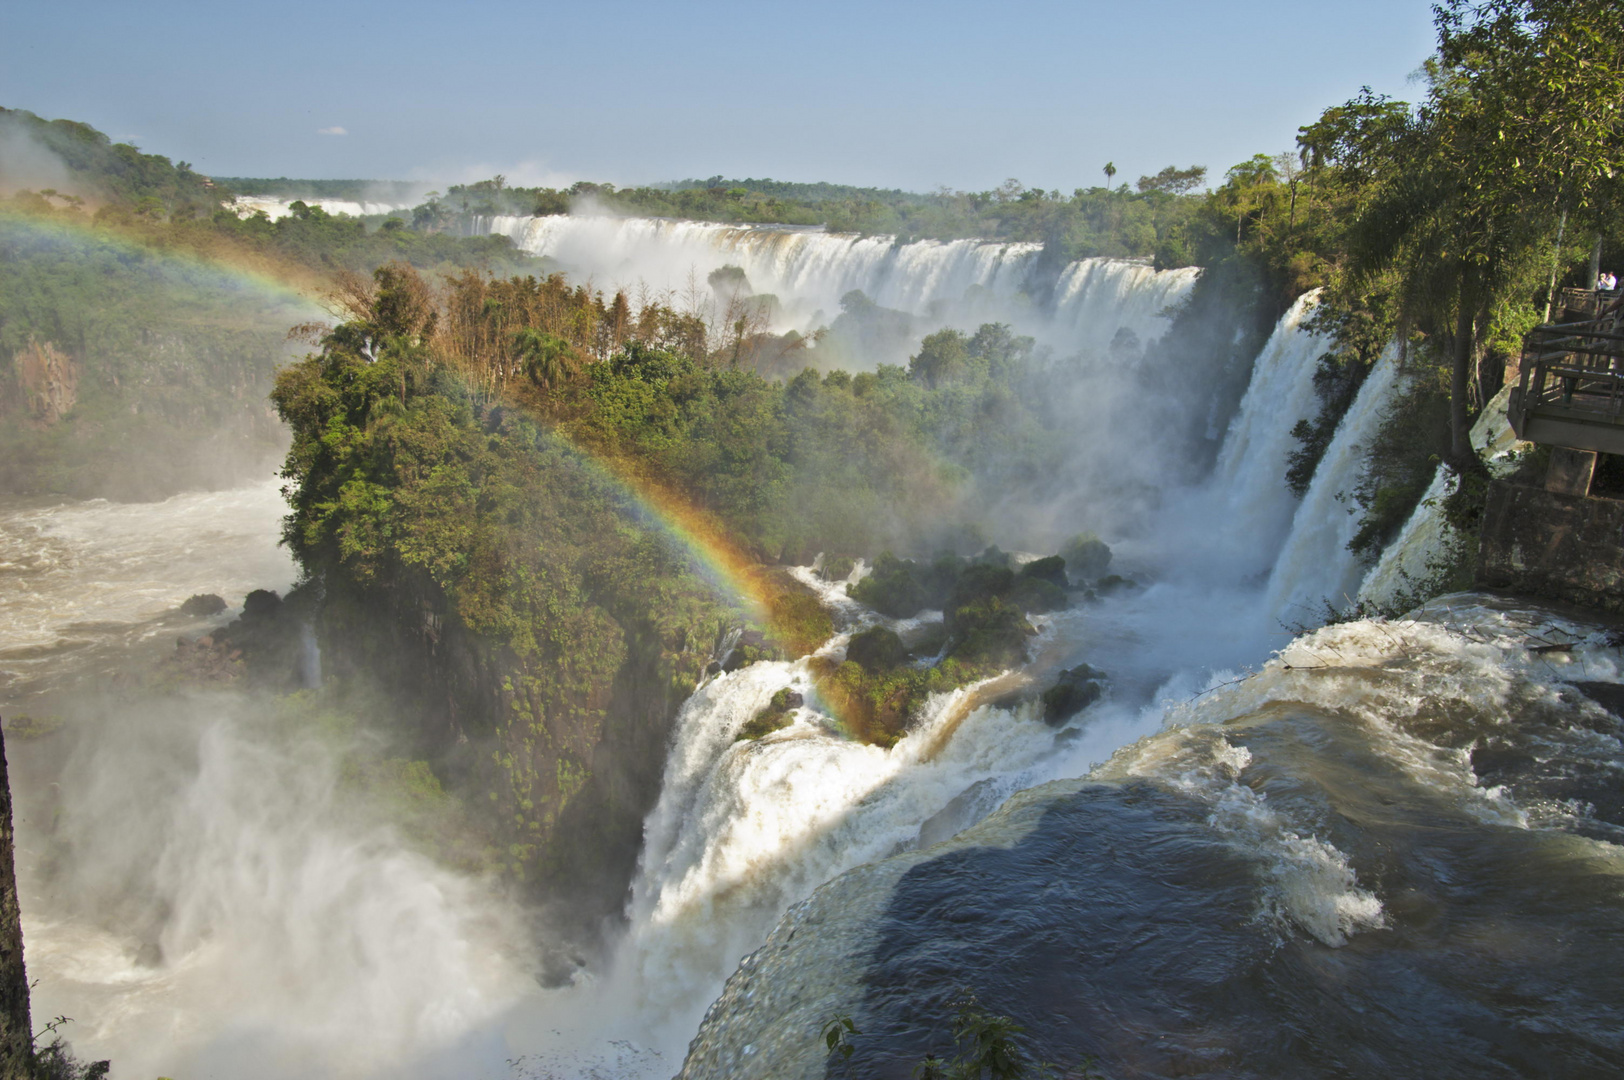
pixel 809 270
pixel 1250 503
pixel 1408 560
pixel 1423 544
pixel 742 830
pixel 276 207
pixel 1315 565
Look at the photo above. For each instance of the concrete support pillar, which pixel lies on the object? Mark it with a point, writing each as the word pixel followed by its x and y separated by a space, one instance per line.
pixel 1570 471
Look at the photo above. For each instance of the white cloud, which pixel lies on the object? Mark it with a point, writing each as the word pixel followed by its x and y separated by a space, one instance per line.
pixel 335 130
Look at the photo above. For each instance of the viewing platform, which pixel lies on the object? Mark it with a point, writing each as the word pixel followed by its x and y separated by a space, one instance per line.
pixel 1570 392
pixel 1559 540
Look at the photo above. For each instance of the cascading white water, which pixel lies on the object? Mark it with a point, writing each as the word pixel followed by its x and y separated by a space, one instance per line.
pixel 1423 545
pixel 1248 502
pixel 809 270
pixel 277 208
pixel 227 909
pixel 1315 565
pixel 1409 559
pixel 211 894
pixel 744 829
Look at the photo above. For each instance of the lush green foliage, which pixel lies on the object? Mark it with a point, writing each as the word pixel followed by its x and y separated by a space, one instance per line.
pixel 171 361
pixel 94 169
pixel 163 309
pixel 407 487
pixel 1443 227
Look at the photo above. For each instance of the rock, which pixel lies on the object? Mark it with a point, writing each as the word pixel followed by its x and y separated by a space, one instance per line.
pixel 751 647
pixel 877 649
pixel 896 587
pixel 1086 555
pixel 1075 690
pixel 1114 583
pixel 1051 569
pixel 49 380
pixel 989 633
pixel 774 717
pixel 261 605
pixel 837 567
pixel 994 556
pixel 979 582
pixel 203 605
pixel 1032 594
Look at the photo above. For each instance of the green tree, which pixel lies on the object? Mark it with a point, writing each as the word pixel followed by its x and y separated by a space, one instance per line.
pixel 944 357
pixel 1524 117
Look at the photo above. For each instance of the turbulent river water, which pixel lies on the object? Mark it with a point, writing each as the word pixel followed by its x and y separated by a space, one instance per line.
pixel 1385 848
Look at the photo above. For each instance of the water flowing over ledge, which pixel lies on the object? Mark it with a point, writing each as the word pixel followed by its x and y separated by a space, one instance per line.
pixel 809 270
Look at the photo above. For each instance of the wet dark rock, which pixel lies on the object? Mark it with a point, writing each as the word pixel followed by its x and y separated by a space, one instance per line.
pixel 978 582
pixel 203 605
pixel 1087 557
pixel 1051 569
pixel 751 647
pixel 994 556
pixel 262 646
pixel 1114 583
pixel 1038 595
pixel 837 567
pixel 1075 690
pixel 902 588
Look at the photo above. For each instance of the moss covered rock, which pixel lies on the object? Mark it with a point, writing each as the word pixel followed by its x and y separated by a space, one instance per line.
pixel 1037 595
pixel 877 649
pixel 1051 569
pixel 775 716
pixel 1086 555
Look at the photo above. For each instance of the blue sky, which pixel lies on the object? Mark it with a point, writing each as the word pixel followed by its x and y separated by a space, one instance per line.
pixel 910 95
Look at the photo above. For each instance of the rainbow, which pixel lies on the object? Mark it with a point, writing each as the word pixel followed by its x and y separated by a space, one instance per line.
pixel 717 558
pixel 225 269
pixel 714 554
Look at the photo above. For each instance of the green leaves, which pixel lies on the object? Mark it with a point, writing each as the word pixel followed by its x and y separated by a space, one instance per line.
pixel 837 1035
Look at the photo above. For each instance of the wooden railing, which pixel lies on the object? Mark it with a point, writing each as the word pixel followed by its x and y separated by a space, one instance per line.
pixel 1571 389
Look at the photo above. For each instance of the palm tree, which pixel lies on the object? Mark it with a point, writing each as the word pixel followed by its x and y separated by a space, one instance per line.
pixel 545 358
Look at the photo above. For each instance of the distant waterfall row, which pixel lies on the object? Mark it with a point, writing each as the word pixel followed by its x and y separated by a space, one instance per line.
pixel 961 282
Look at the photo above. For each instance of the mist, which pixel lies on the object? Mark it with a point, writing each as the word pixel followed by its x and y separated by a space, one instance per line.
pixel 26 164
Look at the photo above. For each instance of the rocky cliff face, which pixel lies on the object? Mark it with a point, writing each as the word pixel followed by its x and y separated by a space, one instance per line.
pixel 1545 544
pixel 16 1032
pixel 566 776
pixel 49 380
